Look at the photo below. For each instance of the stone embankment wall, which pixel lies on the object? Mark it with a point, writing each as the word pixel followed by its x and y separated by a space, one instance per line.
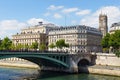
pixel 107 59
pixel 17 62
pixel 104 63
pixel 104 70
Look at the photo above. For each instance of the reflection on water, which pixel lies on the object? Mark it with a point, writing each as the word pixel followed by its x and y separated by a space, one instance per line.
pixel 8 73
pixel 50 76
pixel 24 73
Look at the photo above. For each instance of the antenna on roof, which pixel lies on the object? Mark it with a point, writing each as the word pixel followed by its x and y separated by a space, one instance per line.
pixel 65 20
pixel 101 12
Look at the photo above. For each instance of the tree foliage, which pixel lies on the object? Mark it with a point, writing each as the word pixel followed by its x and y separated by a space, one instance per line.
pixel 12 47
pixel 34 45
pixel 66 45
pixel 117 53
pixel 61 43
pixel 0 44
pixel 42 47
pixel 19 46
pixel 52 45
pixel 105 41
pixel 6 44
pixel 113 41
pixel 26 46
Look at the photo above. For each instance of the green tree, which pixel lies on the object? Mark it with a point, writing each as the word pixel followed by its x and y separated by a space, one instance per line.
pixel 117 53
pixel 34 45
pixel 105 41
pixel 19 46
pixel 6 43
pixel 61 43
pixel 0 44
pixel 115 40
pixel 42 47
pixel 66 45
pixel 26 46
pixel 12 47
pixel 52 45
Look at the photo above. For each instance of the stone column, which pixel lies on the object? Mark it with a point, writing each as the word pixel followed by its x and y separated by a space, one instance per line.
pixel 73 66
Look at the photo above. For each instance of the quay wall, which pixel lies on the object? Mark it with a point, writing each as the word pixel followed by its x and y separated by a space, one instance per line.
pixel 104 63
pixel 103 71
pixel 18 62
pixel 107 59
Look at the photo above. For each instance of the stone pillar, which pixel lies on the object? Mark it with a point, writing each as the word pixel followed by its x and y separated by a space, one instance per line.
pixel 111 49
pixel 73 66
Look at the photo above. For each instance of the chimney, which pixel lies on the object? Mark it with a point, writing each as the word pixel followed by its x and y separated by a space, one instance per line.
pixel 40 23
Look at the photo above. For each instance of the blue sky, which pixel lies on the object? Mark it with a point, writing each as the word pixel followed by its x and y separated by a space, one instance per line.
pixel 17 14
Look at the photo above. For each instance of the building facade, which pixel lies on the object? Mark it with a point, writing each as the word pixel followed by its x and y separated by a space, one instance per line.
pixel 103 27
pixel 32 34
pixel 114 27
pixel 80 38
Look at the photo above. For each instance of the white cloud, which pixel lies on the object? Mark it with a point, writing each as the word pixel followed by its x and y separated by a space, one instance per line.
pixel 57 16
pixel 7 27
pixel 11 27
pixel 34 21
pixel 83 12
pixel 53 7
pixel 69 10
pixel 112 12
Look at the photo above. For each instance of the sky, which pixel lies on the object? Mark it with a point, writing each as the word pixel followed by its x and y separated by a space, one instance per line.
pixel 18 14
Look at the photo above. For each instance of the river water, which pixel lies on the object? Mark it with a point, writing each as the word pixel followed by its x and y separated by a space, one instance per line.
pixel 7 73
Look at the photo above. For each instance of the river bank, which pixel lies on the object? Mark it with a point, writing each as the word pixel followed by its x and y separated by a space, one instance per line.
pixel 33 74
pixel 19 64
pixel 95 69
pixel 102 70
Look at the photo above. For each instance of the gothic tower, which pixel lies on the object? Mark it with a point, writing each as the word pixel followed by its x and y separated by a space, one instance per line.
pixel 103 24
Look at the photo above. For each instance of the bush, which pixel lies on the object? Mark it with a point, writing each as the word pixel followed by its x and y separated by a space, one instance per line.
pixel 117 53
pixel 105 50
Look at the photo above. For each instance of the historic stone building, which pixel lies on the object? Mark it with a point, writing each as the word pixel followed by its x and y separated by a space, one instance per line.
pixel 103 27
pixel 114 27
pixel 31 34
pixel 80 38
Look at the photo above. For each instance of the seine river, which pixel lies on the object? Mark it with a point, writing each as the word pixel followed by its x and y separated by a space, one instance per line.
pixel 7 73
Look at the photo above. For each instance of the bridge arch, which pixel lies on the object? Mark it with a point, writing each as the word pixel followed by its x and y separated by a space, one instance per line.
pixel 39 60
pixel 83 62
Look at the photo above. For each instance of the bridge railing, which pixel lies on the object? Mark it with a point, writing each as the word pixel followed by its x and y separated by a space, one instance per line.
pixel 34 51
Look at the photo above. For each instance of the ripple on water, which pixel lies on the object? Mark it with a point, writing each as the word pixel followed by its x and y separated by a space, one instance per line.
pixel 24 73
pixel 8 73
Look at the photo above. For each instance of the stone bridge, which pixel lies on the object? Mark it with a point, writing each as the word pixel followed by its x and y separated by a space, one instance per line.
pixel 53 60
